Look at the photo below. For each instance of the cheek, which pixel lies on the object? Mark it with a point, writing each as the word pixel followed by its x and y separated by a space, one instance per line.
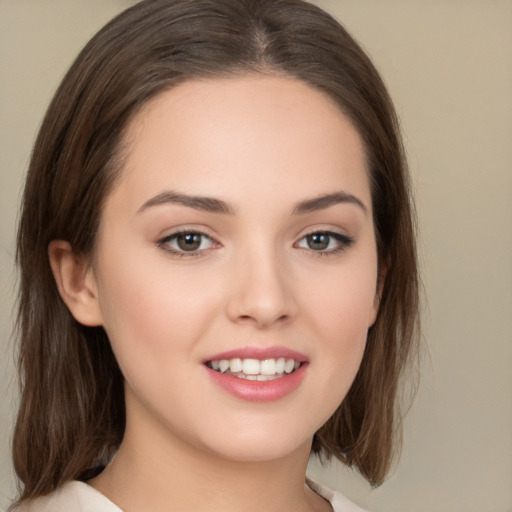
pixel 342 312
pixel 344 301
pixel 150 313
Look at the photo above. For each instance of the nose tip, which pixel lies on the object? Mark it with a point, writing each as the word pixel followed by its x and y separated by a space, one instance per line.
pixel 261 296
pixel 262 316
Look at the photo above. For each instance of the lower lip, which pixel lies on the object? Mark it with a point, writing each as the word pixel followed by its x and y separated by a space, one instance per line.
pixel 256 390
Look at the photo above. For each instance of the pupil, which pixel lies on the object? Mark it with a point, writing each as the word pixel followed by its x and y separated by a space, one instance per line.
pixel 189 241
pixel 318 241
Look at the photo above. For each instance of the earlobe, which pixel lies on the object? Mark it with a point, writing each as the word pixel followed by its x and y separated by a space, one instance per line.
pixel 76 283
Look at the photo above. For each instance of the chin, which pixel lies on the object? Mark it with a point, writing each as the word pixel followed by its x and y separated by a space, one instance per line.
pixel 259 445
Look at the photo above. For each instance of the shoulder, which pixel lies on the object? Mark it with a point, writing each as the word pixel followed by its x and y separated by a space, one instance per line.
pixel 79 497
pixel 71 497
pixel 339 503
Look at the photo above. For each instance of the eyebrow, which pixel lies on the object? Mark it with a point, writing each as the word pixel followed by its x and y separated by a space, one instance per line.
pixel 213 205
pixel 327 200
pixel 207 204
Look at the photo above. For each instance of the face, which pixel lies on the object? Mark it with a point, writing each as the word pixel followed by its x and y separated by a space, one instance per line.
pixel 235 268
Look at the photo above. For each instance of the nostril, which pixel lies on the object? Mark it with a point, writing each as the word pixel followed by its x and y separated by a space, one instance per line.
pixel 283 318
pixel 263 322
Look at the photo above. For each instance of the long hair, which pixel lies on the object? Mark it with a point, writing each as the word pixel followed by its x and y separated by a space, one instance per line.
pixel 72 417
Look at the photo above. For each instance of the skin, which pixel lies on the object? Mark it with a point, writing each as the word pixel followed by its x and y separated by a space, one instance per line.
pixel 262 145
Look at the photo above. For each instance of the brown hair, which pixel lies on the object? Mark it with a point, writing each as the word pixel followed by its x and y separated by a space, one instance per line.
pixel 71 417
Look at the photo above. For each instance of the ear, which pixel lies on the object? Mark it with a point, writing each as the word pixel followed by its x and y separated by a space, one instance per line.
pixel 76 283
pixel 381 279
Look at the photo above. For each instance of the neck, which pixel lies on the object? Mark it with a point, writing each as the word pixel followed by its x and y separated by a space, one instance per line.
pixel 156 471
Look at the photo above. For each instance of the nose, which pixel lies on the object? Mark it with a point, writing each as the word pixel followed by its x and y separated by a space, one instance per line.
pixel 261 292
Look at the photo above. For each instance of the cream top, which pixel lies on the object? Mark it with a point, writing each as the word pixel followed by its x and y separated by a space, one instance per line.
pixel 77 496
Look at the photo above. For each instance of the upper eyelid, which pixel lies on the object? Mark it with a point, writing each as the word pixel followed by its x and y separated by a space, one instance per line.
pixel 163 243
pixel 188 229
pixel 215 239
pixel 335 234
pixel 324 229
pixel 344 243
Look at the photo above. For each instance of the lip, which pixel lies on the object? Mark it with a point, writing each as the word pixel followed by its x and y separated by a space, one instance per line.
pixel 260 353
pixel 254 390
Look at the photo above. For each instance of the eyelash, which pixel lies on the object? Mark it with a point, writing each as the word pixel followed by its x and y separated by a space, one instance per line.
pixel 343 243
pixel 164 243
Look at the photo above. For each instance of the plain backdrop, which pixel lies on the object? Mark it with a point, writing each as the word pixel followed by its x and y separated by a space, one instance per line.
pixel 448 65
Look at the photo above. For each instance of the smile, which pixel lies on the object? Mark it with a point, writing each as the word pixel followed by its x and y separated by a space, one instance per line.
pixel 258 374
pixel 255 369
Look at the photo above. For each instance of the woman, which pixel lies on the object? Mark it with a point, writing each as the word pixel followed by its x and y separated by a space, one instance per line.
pixel 218 271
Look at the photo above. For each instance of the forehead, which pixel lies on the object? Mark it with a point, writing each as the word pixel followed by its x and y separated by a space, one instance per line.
pixel 256 133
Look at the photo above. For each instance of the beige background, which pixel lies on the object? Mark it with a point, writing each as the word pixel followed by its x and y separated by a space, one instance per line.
pixel 448 64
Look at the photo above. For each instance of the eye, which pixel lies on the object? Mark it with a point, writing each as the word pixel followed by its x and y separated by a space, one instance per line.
pixel 325 242
pixel 185 243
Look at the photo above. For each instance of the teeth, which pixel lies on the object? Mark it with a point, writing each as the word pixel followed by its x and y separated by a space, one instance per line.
pixel 235 365
pixel 288 367
pixel 268 367
pixel 251 366
pixel 253 369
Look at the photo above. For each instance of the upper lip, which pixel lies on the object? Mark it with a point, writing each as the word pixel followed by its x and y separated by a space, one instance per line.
pixel 261 353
